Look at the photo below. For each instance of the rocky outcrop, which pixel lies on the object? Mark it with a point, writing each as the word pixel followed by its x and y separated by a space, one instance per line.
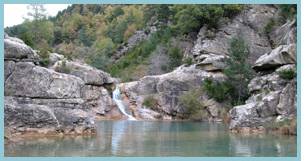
pixel 210 50
pixel 90 75
pixel 166 89
pixel 16 50
pixel 41 100
pixel 282 55
pixel 273 92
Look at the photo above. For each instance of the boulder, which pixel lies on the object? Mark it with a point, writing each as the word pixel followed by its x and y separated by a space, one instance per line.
pixel 17 50
pixel 147 114
pixel 28 115
pixel 212 63
pixel 29 80
pixel 54 57
pixel 90 75
pixel 245 116
pixel 282 55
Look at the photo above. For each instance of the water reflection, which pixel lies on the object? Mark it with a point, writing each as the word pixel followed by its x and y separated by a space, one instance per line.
pixel 144 138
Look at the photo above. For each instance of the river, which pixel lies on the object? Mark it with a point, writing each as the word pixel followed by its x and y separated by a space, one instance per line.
pixel 157 138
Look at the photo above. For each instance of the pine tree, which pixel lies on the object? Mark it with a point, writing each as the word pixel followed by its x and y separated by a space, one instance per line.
pixel 238 71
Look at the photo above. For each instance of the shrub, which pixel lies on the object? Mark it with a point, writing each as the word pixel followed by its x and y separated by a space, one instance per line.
pixel 44 62
pixel 287 11
pixel 231 10
pixel 220 91
pixel 269 26
pixel 63 68
pixel 287 74
pixel 188 61
pixel 175 57
pixel 190 101
pixel 150 102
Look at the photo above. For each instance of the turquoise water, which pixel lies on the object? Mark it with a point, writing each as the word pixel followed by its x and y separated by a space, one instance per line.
pixel 144 138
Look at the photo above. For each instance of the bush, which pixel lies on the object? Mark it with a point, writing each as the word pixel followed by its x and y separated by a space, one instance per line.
pixel 231 10
pixel 44 62
pixel 220 91
pixel 269 26
pixel 190 101
pixel 175 57
pixel 188 61
pixel 150 102
pixel 287 11
pixel 63 68
pixel 287 74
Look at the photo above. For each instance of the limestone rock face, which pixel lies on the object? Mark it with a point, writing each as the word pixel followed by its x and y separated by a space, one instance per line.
pixel 285 34
pixel 248 25
pixel 16 50
pixel 272 97
pixel 282 55
pixel 29 80
pixel 30 115
pixel 38 99
pixel 88 74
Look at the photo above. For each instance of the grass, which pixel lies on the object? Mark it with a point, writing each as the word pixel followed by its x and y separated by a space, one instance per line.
pixel 287 74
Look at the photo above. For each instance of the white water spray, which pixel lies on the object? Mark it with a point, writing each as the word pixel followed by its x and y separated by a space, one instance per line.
pixel 118 101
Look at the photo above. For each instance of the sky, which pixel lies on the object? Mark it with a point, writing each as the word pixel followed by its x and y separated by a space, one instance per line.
pixel 14 13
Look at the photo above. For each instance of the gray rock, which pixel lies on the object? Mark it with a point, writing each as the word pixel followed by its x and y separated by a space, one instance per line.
pixel 257 16
pixel 282 55
pixel 9 67
pixel 167 88
pixel 267 106
pixel 16 50
pixel 285 34
pixel 245 116
pixel 29 80
pixel 287 100
pixel 27 115
pixel 97 99
pixel 54 57
pixel 88 74
pixel 147 114
pixel 242 25
pixel 212 63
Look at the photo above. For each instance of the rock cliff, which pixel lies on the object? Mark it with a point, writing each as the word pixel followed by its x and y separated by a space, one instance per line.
pixel 42 100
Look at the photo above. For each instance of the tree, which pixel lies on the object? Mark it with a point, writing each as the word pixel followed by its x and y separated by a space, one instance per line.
pixel 36 12
pixel 238 71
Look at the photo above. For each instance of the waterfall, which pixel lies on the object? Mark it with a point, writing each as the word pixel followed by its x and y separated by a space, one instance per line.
pixel 118 101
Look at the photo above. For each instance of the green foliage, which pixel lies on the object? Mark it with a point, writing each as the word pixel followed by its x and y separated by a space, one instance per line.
pixel 231 10
pixel 188 61
pixel 63 68
pixel 139 54
pixel 220 91
pixel 287 11
pixel 150 102
pixel 190 18
pixel 287 74
pixel 238 73
pixel 190 101
pixel 44 62
pixel 238 70
pixel 269 26
pixel 175 57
